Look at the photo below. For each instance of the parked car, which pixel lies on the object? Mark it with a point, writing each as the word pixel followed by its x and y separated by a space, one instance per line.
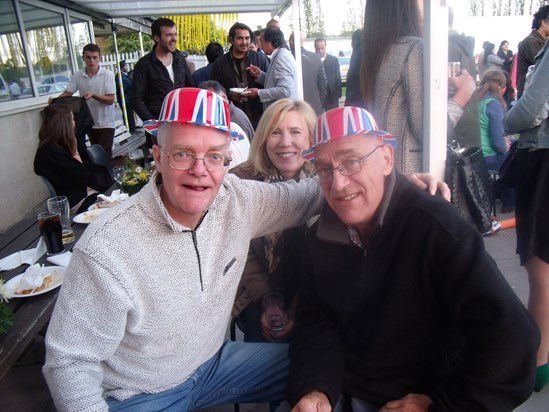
pixel 58 78
pixel 344 62
pixel 52 88
pixel 55 88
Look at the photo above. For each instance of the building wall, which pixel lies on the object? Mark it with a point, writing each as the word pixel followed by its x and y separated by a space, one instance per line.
pixel 21 189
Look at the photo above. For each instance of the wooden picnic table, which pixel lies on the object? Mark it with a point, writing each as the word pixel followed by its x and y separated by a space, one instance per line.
pixel 31 314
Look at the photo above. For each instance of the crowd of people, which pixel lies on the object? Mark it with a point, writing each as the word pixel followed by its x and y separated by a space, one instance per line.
pixel 390 300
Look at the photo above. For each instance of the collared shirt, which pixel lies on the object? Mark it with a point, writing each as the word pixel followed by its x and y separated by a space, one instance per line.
pixel 354 236
pixel 102 83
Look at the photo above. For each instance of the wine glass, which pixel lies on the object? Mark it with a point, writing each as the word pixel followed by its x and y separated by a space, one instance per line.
pixel 275 312
pixel 118 173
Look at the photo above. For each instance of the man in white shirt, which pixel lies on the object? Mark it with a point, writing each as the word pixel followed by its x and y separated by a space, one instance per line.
pixel 96 85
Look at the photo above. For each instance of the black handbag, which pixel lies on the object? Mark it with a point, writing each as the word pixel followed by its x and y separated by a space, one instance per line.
pixel 507 171
pixel 469 183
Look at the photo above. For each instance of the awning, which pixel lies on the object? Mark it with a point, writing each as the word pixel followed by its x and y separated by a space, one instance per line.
pixel 157 8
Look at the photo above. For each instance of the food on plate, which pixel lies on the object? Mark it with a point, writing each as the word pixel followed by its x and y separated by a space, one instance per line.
pixel 89 216
pixel 45 284
pixel 240 90
pixel 103 205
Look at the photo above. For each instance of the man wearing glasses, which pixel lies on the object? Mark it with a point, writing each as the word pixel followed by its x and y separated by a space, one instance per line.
pixel 140 322
pixel 403 309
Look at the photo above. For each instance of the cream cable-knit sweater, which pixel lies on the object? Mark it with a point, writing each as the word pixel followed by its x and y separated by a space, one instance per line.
pixel 132 315
pixel 399 102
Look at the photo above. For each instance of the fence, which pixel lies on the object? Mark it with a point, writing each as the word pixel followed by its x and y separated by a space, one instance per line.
pixel 110 62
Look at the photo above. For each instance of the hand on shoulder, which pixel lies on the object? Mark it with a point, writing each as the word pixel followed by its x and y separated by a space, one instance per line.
pixel 426 181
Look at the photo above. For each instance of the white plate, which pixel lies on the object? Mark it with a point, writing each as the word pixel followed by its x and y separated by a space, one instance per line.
pixel 88 217
pixel 57 272
pixel 103 205
pixel 240 90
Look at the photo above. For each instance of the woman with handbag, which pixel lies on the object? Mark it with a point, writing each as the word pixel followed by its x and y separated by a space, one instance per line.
pixel 529 117
pixel 392 75
pixel 493 141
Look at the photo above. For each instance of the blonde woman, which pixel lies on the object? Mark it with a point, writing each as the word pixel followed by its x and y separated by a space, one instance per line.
pixel 284 131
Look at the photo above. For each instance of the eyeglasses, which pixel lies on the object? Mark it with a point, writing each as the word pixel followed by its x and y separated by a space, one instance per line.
pixel 213 162
pixel 347 168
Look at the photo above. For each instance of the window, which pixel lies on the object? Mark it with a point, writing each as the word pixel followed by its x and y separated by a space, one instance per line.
pixel 14 74
pixel 48 47
pixel 80 36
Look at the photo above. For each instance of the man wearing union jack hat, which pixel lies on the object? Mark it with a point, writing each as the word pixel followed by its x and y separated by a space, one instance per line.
pixel 403 308
pixel 140 323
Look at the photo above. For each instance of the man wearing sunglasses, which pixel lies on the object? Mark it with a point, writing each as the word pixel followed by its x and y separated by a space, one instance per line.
pixel 402 308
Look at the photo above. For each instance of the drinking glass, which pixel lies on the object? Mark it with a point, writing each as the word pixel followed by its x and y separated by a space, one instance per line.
pixel 275 312
pixel 118 173
pixel 51 230
pixel 60 205
pixel 454 69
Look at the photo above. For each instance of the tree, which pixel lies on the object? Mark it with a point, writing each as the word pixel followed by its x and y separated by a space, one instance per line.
pixel 354 18
pixel 312 19
pixel 504 7
pixel 128 43
pixel 197 31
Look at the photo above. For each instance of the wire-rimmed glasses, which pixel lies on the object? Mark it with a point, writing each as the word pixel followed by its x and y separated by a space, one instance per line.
pixel 346 168
pixel 213 162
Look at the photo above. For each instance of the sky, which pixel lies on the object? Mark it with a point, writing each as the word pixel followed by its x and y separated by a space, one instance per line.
pixel 331 8
pixel 512 29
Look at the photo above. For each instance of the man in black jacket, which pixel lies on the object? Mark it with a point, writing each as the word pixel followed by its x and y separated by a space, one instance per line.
pixel 333 74
pixel 315 84
pixel 159 72
pixel 531 45
pixel 230 71
pixel 400 306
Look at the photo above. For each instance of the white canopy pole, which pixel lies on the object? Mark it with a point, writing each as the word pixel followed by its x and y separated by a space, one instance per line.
pixel 297 43
pixel 119 77
pixel 436 87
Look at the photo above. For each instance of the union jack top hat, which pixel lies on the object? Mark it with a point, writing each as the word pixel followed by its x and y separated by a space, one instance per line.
pixel 345 121
pixel 194 106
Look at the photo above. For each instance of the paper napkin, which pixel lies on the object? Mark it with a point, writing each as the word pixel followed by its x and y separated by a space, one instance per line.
pixel 28 256
pixel 60 260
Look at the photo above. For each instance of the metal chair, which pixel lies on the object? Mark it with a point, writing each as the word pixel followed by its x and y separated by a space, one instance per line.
pixel 50 187
pixel 98 155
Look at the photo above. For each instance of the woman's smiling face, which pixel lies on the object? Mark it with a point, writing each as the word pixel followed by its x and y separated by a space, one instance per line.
pixel 285 144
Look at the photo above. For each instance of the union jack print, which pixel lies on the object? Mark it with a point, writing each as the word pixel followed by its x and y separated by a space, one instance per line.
pixel 345 121
pixel 196 106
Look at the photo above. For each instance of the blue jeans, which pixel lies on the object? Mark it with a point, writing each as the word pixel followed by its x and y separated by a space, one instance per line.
pixel 503 192
pixel 238 373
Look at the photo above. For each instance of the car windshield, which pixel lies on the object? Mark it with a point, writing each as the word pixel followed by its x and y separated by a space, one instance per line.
pixel 344 60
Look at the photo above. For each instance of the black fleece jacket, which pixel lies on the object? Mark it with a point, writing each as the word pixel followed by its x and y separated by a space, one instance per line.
pixel 423 309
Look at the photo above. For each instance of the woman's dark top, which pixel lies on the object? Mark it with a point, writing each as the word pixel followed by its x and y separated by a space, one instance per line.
pixel 67 175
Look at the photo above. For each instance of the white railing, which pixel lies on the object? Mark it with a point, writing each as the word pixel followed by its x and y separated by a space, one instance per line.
pixel 110 62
